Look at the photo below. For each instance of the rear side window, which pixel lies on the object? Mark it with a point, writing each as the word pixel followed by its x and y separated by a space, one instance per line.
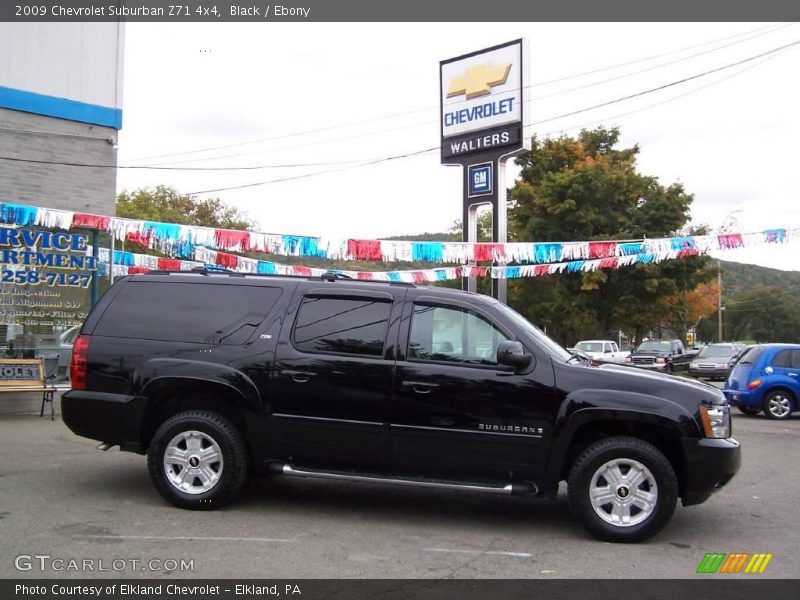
pixel 342 325
pixel 789 359
pixel 202 313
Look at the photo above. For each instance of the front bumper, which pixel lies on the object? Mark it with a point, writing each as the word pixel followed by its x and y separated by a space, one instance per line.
pixel 710 464
pixel 111 418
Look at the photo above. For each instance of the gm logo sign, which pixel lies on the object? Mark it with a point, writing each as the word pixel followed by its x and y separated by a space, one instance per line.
pixel 480 179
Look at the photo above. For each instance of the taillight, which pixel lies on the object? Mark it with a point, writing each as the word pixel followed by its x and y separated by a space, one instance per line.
pixel 80 361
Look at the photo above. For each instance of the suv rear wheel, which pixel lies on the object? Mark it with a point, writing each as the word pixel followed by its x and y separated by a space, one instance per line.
pixel 622 489
pixel 197 460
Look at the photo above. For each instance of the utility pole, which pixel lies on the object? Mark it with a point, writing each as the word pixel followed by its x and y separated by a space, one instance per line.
pixel 719 299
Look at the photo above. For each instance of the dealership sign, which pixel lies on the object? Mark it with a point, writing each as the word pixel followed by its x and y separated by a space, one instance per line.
pixel 482 102
pixel 482 125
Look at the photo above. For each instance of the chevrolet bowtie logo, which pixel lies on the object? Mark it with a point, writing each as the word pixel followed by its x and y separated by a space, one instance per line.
pixel 479 80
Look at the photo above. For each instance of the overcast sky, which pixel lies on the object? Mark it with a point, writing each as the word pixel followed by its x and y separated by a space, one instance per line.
pixel 335 95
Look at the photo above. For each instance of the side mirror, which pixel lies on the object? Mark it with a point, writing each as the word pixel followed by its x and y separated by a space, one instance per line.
pixel 512 354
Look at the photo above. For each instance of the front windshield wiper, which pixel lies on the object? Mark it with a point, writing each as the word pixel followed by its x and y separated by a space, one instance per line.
pixel 585 360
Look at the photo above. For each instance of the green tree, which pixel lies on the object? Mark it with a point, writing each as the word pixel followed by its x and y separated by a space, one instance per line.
pixel 164 203
pixel 585 188
pixel 764 314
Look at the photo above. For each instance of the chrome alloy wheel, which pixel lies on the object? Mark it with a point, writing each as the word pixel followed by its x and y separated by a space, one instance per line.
pixel 779 405
pixel 193 462
pixel 623 492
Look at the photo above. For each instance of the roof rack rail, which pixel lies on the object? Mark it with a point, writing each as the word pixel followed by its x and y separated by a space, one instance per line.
pixel 327 276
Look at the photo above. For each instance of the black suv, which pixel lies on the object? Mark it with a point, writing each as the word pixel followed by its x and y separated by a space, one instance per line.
pixel 215 375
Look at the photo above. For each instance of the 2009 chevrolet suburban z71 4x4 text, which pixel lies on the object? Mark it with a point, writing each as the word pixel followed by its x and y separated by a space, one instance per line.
pixel 215 375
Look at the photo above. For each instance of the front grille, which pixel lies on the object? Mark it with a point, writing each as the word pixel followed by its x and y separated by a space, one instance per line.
pixel 643 360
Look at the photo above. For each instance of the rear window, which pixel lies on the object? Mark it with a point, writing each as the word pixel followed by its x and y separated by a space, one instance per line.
pixel 203 313
pixel 715 352
pixel 751 356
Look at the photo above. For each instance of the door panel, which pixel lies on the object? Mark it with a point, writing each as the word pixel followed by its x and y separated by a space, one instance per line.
pixel 455 410
pixel 332 381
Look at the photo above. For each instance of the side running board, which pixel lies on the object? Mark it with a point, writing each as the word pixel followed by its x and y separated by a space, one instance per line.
pixel 525 488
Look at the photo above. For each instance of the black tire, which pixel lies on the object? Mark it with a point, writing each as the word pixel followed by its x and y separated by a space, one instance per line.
pixel 623 449
pixel 749 410
pixel 778 405
pixel 210 436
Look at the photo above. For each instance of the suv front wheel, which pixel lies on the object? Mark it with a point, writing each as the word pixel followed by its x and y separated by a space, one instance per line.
pixel 622 489
pixel 197 460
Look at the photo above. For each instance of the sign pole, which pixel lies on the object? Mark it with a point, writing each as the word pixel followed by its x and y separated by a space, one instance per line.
pixel 482 110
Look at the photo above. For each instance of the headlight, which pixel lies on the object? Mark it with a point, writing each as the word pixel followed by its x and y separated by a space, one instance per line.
pixel 661 361
pixel 693 365
pixel 716 420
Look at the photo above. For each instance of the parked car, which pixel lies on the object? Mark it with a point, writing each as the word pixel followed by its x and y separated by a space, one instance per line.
pixel 661 355
pixel 765 379
pixel 602 351
pixel 384 382
pixel 715 361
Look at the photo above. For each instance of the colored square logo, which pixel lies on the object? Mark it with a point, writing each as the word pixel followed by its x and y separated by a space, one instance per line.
pixel 480 179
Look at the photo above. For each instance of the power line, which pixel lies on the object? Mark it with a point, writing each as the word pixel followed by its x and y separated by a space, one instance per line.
pixel 659 66
pixel 160 168
pixel 672 99
pixel 771 29
pixel 305 176
pixel 362 163
pixel 669 85
pixel 350 137
pixel 602 104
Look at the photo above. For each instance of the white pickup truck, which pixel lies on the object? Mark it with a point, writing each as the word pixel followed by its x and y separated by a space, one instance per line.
pixel 602 350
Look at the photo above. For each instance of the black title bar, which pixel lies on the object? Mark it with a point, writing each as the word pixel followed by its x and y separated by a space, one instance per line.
pixel 223 11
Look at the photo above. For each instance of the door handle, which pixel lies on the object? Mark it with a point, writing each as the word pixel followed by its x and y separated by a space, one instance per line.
pixel 299 376
pixel 419 387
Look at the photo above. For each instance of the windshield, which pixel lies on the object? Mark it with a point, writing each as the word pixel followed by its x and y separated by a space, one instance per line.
pixel 552 347
pixel 715 352
pixel 654 346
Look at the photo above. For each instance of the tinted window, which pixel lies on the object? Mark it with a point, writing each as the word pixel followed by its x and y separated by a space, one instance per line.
pixel 452 334
pixel 789 359
pixel 782 359
pixel 342 325
pixel 202 313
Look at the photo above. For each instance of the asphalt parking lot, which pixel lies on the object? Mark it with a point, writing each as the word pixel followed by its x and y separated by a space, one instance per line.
pixel 62 498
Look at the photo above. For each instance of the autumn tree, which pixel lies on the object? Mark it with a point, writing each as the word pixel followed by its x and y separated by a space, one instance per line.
pixel 586 188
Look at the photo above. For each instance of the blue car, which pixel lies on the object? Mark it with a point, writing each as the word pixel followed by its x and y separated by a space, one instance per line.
pixel 766 378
